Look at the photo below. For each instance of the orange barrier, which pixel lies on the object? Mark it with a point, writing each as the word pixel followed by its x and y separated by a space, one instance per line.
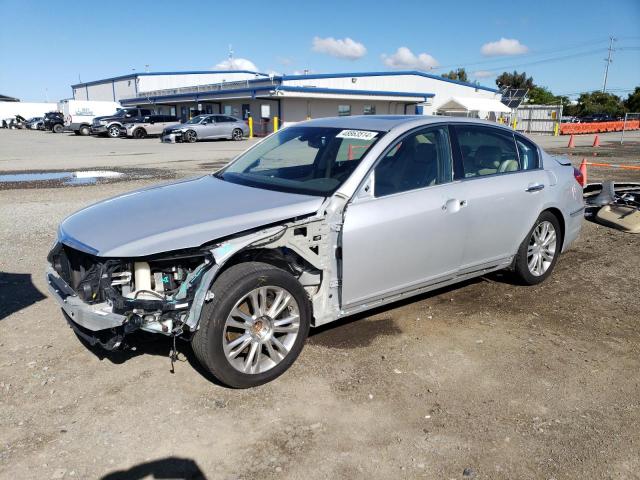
pixel 598 127
pixel 351 148
pixel 584 163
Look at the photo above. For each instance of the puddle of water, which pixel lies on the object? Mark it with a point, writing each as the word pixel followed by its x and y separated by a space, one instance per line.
pixel 85 177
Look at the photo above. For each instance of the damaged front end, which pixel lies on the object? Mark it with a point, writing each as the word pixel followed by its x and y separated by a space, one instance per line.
pixel 105 299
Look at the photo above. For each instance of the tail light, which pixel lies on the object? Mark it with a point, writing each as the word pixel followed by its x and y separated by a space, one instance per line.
pixel 578 176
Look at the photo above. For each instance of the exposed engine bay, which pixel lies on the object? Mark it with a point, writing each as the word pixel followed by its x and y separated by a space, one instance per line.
pixel 164 294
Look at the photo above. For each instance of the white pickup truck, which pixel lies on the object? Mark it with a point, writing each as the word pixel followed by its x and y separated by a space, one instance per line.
pixel 79 114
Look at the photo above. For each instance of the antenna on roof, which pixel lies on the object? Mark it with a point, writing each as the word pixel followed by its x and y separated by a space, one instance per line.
pixel 146 67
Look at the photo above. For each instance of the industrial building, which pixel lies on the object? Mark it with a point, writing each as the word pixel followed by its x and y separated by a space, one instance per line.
pixel 293 98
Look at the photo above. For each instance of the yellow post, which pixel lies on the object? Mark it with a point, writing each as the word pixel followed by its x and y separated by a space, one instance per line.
pixel 275 124
pixel 556 129
pixel 250 127
pixel 515 122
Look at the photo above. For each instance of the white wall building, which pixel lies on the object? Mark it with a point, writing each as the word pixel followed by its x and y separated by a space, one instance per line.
pixel 291 98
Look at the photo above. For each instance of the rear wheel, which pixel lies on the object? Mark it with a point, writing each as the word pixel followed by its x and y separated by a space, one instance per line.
pixel 190 136
pixel 255 326
pixel 139 133
pixel 237 134
pixel 113 131
pixel 85 130
pixel 538 253
pixel 57 128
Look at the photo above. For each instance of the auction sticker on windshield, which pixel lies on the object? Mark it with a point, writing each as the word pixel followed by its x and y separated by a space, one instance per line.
pixel 357 134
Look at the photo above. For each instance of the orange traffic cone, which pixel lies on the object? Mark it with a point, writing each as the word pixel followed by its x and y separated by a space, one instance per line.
pixel 596 141
pixel 572 142
pixel 583 171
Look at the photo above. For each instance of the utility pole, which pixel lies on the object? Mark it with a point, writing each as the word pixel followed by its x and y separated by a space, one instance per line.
pixel 607 62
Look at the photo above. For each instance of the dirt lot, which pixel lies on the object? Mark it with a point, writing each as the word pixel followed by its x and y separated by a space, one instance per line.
pixel 482 380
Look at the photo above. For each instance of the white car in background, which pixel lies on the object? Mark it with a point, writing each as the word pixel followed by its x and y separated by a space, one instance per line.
pixel 149 125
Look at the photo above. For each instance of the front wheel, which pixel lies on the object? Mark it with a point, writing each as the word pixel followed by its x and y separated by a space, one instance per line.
pixel 190 136
pixel 85 130
pixel 538 253
pixel 237 134
pixel 255 326
pixel 113 131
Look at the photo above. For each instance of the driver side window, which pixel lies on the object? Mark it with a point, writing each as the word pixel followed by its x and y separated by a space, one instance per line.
pixel 418 160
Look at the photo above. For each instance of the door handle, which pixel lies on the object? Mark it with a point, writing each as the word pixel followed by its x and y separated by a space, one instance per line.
pixel 536 187
pixel 453 205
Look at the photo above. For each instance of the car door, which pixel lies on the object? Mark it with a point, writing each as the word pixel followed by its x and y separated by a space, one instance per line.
pixel 207 128
pixel 504 189
pixel 410 231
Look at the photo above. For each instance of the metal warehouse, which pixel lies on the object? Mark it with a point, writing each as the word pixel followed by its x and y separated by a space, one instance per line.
pixel 282 99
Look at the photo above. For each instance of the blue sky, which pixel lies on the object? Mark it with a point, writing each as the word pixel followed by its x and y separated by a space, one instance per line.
pixel 47 46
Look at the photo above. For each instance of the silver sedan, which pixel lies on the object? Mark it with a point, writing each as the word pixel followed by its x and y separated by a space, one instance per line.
pixel 321 220
pixel 206 127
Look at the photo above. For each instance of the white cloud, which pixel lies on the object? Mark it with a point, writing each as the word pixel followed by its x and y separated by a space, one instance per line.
pixel 236 64
pixel 286 61
pixel 405 58
pixel 341 48
pixel 484 74
pixel 504 46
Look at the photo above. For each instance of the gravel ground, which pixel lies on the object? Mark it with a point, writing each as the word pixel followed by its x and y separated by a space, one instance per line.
pixel 482 380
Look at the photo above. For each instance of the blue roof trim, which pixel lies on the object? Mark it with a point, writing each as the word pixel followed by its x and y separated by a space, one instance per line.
pixel 199 95
pixel 387 74
pixel 146 74
pixel 288 88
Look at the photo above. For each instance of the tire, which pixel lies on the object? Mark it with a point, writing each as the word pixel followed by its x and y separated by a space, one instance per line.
pixel 113 131
pixel 237 134
pixel 57 128
pixel 214 345
pixel 190 136
pixel 85 130
pixel 139 133
pixel 539 251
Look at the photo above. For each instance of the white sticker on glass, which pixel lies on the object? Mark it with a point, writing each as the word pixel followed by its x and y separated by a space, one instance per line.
pixel 357 134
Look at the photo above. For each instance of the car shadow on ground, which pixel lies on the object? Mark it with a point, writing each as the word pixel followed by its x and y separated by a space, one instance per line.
pixel 167 468
pixel 17 291
pixel 336 334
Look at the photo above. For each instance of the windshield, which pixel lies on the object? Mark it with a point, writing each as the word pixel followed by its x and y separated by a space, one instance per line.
pixel 196 119
pixel 305 160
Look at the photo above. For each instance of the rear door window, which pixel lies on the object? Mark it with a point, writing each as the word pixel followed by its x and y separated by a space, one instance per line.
pixel 528 153
pixel 487 151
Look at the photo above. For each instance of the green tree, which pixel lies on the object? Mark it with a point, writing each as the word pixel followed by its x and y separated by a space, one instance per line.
pixel 632 103
pixel 599 102
pixel 459 74
pixel 515 80
pixel 541 96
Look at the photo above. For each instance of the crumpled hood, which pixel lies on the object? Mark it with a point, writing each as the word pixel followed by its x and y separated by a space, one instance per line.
pixel 179 215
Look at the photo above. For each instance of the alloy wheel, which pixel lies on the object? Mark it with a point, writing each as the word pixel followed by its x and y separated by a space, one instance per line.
pixel 261 329
pixel 542 248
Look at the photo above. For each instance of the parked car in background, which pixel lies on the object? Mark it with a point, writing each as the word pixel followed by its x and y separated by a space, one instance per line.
pixel 321 220
pixel 207 127
pixel 149 125
pixel 113 125
pixel 78 114
pixel 54 122
pixel 596 117
pixel 34 123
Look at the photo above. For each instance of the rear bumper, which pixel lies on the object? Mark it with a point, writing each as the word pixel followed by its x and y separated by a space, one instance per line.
pixel 573 225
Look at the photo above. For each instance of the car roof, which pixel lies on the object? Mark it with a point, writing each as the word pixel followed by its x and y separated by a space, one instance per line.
pixel 388 122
